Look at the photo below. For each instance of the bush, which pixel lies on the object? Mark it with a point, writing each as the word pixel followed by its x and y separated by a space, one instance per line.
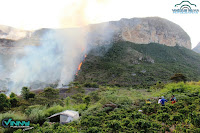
pixel 13 101
pixel 91 85
pixel 166 109
pixel 37 115
pixel 192 107
pixel 142 124
pixel 25 93
pixel 195 119
pixel 4 102
pixel 163 117
pixel 13 95
pixel 114 125
pixel 94 130
pixel 184 111
pixel 53 110
pixel 177 117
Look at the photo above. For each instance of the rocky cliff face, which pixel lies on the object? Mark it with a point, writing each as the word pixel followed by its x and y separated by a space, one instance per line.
pixel 197 48
pixel 136 30
pixel 144 31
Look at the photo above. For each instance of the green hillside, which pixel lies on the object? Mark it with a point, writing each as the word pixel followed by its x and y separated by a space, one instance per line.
pixel 126 64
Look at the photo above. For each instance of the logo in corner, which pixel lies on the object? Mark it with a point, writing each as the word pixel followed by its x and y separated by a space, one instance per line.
pixel 9 123
pixel 185 7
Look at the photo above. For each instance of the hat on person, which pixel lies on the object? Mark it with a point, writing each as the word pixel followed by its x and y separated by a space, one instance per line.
pixel 162 97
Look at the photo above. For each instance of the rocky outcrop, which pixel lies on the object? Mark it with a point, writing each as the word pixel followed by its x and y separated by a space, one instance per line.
pixel 197 48
pixel 143 31
pixel 136 30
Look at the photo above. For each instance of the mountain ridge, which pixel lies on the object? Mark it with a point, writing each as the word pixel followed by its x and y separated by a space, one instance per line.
pixel 137 30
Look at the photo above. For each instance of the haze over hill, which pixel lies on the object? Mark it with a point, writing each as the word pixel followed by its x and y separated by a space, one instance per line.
pixel 197 48
pixel 31 59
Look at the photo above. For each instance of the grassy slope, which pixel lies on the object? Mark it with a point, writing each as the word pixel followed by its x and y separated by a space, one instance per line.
pixel 183 116
pixel 118 65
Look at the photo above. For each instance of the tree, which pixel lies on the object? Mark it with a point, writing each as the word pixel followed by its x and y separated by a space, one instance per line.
pixel 12 95
pixel 13 101
pixel 31 95
pixel 25 93
pixel 4 102
pixel 178 77
pixel 50 93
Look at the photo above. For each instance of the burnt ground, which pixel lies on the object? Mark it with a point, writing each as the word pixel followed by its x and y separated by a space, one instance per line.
pixel 65 92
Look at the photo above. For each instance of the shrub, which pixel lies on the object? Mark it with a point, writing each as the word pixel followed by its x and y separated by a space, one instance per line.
pixel 86 100
pixel 192 107
pixel 13 101
pixel 195 119
pixel 114 125
pixel 54 109
pixel 94 96
pixel 178 77
pixel 137 115
pixel 166 109
pixel 78 98
pixel 94 130
pixel 31 95
pixel 50 93
pixel 163 117
pixel 25 93
pixel 12 95
pixel 4 102
pixel 67 101
pixel 184 111
pixel 37 115
pixel 179 105
pixel 177 117
pixel 91 85
pixel 142 124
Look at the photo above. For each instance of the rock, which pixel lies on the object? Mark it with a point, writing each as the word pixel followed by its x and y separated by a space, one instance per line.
pixel 133 74
pixel 143 71
pixel 142 31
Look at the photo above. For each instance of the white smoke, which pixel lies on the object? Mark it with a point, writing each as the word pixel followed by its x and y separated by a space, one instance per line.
pixel 56 59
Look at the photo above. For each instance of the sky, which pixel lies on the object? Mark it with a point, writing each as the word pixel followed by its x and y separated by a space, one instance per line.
pixel 35 14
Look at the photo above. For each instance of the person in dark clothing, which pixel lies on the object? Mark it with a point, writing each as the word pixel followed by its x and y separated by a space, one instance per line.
pixel 162 101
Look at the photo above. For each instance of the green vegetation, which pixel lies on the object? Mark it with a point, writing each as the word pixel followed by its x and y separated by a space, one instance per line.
pixel 116 109
pixel 110 93
pixel 129 64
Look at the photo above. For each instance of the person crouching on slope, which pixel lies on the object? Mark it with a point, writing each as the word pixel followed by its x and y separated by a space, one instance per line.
pixel 173 99
pixel 162 101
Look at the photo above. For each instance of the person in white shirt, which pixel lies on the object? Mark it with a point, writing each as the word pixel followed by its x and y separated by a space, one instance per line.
pixel 159 100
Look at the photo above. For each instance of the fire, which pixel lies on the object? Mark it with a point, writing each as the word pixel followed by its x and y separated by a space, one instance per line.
pixel 79 66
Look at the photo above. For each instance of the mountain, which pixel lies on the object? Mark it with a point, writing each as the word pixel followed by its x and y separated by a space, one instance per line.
pixel 7 32
pixel 129 64
pixel 136 30
pixel 197 48
pixel 125 52
pixel 143 31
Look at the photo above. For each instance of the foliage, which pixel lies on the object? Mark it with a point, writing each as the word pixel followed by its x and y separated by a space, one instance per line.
pixel 50 93
pixel 25 93
pixel 4 102
pixel 126 114
pixel 128 64
pixel 178 77
pixel 12 95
